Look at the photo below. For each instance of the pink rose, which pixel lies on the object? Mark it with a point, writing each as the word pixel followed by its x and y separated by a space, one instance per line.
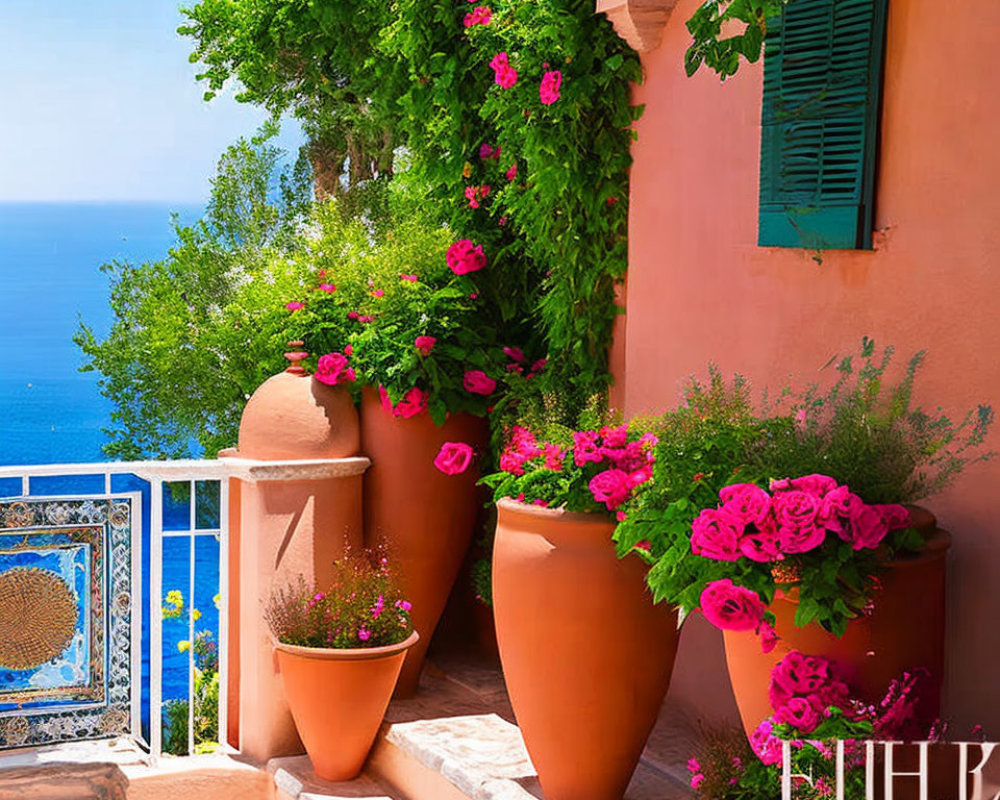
pixel 610 487
pixel 478 382
pixel 866 529
pixel 837 506
pixel 795 509
pixel 413 402
pixel 819 485
pixel 424 344
pixel 463 257
pixel 715 534
pixel 332 369
pixel 585 448
pixel 800 540
pixel 553 455
pixel 795 675
pixel 768 637
pixel 548 90
pixel 800 714
pixel 453 458
pixel 765 745
pixel 748 502
pixel 512 172
pixel 503 74
pixel 895 516
pixel 730 607
pixel 761 542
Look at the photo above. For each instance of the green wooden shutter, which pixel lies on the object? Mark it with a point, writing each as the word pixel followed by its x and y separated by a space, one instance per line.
pixel 819 138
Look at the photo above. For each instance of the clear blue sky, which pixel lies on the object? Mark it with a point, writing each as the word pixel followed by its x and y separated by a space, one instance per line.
pixel 98 102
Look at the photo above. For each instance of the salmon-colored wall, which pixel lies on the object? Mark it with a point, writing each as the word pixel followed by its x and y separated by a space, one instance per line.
pixel 701 290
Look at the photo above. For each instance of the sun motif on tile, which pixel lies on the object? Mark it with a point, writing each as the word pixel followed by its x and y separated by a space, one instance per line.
pixel 38 616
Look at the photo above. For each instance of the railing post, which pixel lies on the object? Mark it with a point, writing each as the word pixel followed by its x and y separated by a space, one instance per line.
pixel 156 619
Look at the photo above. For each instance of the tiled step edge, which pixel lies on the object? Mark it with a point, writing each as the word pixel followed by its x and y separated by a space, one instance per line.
pixel 294 779
pixel 477 757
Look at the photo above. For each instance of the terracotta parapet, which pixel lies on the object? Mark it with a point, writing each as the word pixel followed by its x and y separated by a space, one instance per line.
pixel 638 22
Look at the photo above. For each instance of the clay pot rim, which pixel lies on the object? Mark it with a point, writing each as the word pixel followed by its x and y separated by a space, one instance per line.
pixel 544 512
pixel 347 653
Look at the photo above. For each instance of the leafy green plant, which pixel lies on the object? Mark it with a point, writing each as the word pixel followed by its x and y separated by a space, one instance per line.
pixel 866 432
pixel 363 607
pixel 206 717
pixel 720 52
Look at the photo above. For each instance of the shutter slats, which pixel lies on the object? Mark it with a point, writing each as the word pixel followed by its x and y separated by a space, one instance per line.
pixel 822 71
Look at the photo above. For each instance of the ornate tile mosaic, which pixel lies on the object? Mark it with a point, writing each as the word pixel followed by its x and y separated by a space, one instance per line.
pixel 65 620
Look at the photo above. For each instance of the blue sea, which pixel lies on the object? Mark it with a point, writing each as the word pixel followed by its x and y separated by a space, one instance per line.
pixel 50 412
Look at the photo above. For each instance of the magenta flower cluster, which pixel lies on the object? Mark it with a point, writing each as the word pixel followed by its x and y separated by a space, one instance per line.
pixel 334 368
pixel 464 257
pixel 795 518
pixel 414 402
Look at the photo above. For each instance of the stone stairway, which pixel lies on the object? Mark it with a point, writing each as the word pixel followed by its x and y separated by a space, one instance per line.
pixel 456 740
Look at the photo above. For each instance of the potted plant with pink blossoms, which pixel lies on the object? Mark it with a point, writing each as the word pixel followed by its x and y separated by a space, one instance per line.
pixel 340 649
pixel 787 530
pixel 572 619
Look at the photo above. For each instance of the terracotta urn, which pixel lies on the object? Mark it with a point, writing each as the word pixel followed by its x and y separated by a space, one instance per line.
pixel 904 632
pixel 338 698
pixel 426 518
pixel 586 655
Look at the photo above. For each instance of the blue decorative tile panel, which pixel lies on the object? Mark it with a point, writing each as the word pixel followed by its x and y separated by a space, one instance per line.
pixel 65 620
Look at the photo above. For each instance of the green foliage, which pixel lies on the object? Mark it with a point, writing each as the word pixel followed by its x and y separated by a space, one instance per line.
pixel 363 607
pixel 314 60
pixel 194 334
pixel 482 581
pixel 565 213
pixel 865 431
pixel 206 717
pixel 722 53
pixel 366 261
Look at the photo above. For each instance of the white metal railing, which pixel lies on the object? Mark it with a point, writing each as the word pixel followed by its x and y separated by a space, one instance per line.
pixel 156 474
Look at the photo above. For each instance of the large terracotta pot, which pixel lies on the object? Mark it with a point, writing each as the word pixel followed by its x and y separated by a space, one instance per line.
pixel 338 699
pixel 904 632
pixel 427 518
pixel 586 655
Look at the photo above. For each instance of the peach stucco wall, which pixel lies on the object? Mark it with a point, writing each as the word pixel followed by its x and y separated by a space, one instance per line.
pixel 700 290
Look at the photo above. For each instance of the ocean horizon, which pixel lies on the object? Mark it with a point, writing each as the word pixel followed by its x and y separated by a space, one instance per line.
pixel 50 281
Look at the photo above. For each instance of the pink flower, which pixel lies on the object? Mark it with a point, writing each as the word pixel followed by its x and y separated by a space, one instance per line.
pixel 364 634
pixel 585 448
pixel 867 528
pixel 539 365
pixel 613 437
pixel 795 675
pixel 539 502
pixel 487 151
pixel 473 296
pixel 715 534
pixel 464 257
pixel 502 221
pixel 352 315
pixel 610 487
pixel 512 172
pixel 548 91
pixel 697 780
pixel 410 278
pixel 693 765
pixel 403 605
pixel 413 402
pixel 765 745
pixel 730 607
pixel 523 442
pixel 454 458
pixel 481 15
pixel 295 305
pixel 512 462
pixel 378 293
pixel 820 485
pixel 838 506
pixel 332 369
pixel 329 288
pixel 478 382
pixel 800 714
pixel 895 516
pixel 800 540
pixel 748 502
pixel 768 637
pixel 761 542
pixel 553 454
pixel 795 508
pixel 514 353
pixel 503 74
pixel 424 344
pixel 349 350
pixel 472 195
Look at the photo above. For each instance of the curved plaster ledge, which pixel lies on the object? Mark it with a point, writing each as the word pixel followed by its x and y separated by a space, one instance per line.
pixel 638 22
pixel 251 469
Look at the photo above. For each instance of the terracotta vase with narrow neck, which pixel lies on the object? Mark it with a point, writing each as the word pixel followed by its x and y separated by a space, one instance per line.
pixel 903 633
pixel 586 655
pixel 426 518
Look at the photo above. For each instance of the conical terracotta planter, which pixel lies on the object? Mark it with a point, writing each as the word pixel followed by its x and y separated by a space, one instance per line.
pixel 904 632
pixel 427 518
pixel 586 655
pixel 338 699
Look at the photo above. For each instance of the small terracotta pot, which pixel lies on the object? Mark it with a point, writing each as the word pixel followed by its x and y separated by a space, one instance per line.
pixel 338 699
pixel 427 518
pixel 904 632
pixel 586 654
